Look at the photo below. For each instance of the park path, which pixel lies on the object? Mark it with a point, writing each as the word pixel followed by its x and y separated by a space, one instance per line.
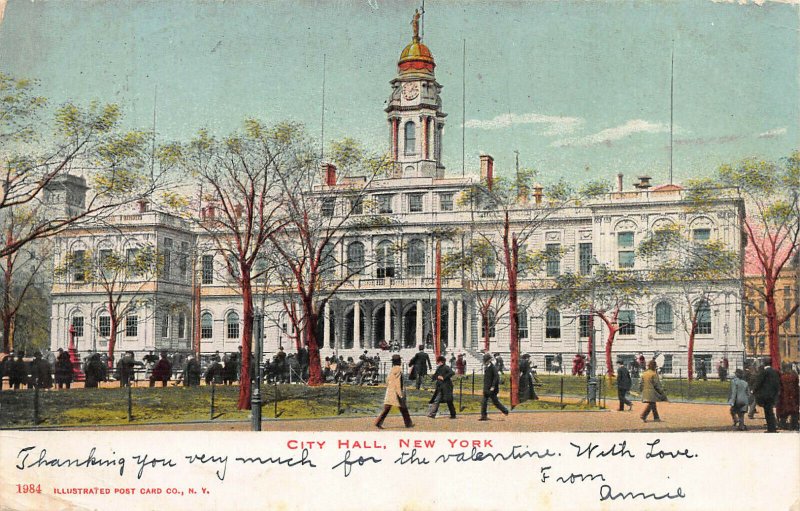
pixel 675 417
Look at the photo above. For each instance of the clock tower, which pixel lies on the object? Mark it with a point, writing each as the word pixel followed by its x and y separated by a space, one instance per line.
pixel 415 113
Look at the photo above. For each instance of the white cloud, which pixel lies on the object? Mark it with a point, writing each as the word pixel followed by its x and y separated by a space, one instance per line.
pixel 773 133
pixel 609 135
pixel 554 125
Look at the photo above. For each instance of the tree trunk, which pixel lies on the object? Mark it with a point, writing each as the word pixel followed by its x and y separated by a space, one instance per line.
pixel 314 365
pixel 7 313
pixel 772 324
pixel 247 342
pixel 612 332
pixel 690 354
pixel 112 337
pixel 510 252
pixel 486 331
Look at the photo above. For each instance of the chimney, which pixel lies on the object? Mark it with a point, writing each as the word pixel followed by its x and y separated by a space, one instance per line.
pixel 537 193
pixel 487 170
pixel 643 183
pixel 328 174
pixel 522 193
pixel 144 205
pixel 619 182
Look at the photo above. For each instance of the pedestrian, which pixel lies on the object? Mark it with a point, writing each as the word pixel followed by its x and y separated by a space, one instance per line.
pixel 395 394
pixel 767 388
pixel 788 403
pixel 18 372
pixel 214 371
pixel 125 369
pixel 162 371
pixel 624 384
pixel 191 373
pixel 578 364
pixel 63 369
pixel 420 364
pixel 750 375
pixel 41 377
pixel 95 371
pixel 453 361
pixel 491 387
pixel 526 379
pixel 444 389
pixel 722 370
pixel 651 391
pixel 738 400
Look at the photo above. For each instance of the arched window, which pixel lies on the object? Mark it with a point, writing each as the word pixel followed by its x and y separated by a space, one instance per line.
pixel 411 138
pixel 182 325
pixel 165 326
pixel 104 325
pixel 206 326
pixel 385 257
pixel 77 325
pixel 416 258
pixel 703 318
pixel 664 321
pixel 522 324
pixel 553 324
pixel 232 325
pixel 355 257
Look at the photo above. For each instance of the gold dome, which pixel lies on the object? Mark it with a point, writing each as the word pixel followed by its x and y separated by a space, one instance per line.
pixel 415 58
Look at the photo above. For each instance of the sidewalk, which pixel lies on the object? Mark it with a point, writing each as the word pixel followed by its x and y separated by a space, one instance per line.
pixel 675 417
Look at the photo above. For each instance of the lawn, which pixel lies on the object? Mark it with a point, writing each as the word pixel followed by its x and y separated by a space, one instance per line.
pixel 109 406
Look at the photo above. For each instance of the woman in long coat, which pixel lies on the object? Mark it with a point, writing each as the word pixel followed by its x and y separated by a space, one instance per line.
pixel 738 400
pixel 395 394
pixel 651 391
pixel 788 402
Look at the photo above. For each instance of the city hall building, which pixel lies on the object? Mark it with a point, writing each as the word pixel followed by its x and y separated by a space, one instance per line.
pixel 392 297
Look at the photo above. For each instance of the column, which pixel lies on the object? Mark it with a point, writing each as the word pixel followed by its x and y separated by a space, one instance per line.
pixel 424 137
pixel 451 335
pixel 460 323
pixel 468 333
pixel 387 321
pixel 419 322
pixel 326 335
pixel 357 324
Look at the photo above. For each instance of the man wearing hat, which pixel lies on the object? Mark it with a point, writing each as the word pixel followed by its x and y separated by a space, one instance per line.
pixel 421 363
pixel 395 394
pixel 491 386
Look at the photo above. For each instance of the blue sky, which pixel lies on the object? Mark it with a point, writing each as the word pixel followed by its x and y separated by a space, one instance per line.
pixel 570 84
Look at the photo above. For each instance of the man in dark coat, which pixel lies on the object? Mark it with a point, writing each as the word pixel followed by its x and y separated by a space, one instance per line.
pixel 789 403
pixel 162 371
pixel 125 369
pixel 41 375
pixel 191 374
pixel 214 371
pixel 95 371
pixel 623 386
pixel 18 372
pixel 491 387
pixel 421 362
pixel 63 369
pixel 767 388
pixel 444 389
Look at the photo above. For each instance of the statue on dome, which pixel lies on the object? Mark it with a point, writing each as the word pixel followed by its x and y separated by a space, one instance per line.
pixel 415 24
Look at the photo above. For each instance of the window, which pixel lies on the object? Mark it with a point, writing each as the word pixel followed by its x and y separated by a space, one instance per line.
pixel 553 252
pixel 131 325
pixel 181 325
pixel 416 258
pixel 410 138
pixel 357 206
pixel 762 325
pixel 208 269
pixel 701 234
pixel 183 261
pixel 489 318
pixel 585 325
pixel 384 204
pixel 751 343
pixel 206 326
pixel 165 326
pixel 445 202
pixel 488 268
pixel 79 266
pixel 761 343
pixel 667 367
pixel 552 324
pixel 232 326
pixel 415 203
pixel 106 263
pixel 77 325
pixel 751 324
pixel 664 321
pixel 626 255
pixel 703 318
pixel 585 258
pixel 385 257
pixel 134 264
pixel 328 205
pixel 104 326
pixel 167 256
pixel 355 258
pixel 627 322
pixel 522 324
pixel 787 298
pixel 328 266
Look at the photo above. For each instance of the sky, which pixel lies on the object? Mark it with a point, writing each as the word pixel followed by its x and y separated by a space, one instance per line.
pixel 580 88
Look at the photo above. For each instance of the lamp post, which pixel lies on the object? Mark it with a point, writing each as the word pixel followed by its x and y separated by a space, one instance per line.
pixel 255 395
pixel 591 373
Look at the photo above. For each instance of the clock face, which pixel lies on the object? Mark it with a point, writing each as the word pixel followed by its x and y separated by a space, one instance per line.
pixel 410 90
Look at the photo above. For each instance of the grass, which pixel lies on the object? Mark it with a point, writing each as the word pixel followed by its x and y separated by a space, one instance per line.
pixel 108 406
